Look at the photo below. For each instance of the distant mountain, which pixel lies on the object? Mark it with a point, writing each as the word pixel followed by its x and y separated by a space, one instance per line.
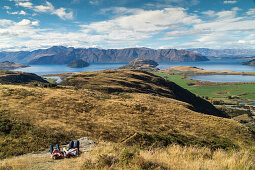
pixel 250 63
pixel 63 55
pixel 223 52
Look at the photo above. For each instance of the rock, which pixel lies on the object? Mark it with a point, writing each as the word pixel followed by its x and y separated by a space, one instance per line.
pixel 79 63
pixel 141 64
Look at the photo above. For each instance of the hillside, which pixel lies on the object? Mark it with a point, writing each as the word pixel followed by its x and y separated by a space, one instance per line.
pixel 16 77
pixel 78 64
pixel 6 65
pixel 63 55
pixel 128 106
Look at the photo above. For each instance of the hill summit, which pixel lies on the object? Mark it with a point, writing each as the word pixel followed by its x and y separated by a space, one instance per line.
pixel 139 81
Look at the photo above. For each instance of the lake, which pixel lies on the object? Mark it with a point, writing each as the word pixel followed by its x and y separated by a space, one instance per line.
pixel 214 64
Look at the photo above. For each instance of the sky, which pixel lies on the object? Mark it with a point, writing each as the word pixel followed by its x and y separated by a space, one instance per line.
pixel 158 24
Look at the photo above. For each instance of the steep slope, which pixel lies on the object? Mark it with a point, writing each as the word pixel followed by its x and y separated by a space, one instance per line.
pixel 148 110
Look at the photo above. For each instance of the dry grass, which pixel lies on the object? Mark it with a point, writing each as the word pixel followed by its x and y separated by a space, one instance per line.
pixel 116 116
pixel 117 156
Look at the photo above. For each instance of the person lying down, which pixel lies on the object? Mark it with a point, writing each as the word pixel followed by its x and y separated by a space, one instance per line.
pixel 73 150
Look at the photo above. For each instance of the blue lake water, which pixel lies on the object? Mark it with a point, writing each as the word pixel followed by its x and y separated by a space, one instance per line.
pixel 215 64
pixel 224 78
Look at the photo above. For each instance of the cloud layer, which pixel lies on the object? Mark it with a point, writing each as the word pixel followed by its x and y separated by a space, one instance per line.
pixel 162 27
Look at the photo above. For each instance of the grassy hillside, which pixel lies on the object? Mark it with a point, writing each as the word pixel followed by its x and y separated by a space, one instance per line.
pixel 103 106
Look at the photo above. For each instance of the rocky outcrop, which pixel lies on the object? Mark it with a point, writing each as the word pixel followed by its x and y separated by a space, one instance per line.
pixel 6 65
pixel 141 64
pixel 79 63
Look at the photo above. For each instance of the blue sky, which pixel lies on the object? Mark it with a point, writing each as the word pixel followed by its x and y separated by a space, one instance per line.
pixel 218 24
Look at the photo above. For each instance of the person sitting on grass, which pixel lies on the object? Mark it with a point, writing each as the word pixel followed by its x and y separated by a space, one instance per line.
pixel 73 149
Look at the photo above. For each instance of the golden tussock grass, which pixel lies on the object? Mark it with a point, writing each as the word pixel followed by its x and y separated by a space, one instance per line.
pixel 106 116
pixel 117 156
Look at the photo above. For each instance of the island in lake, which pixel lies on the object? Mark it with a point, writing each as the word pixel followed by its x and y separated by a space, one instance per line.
pixel 141 64
pixel 6 65
pixel 79 63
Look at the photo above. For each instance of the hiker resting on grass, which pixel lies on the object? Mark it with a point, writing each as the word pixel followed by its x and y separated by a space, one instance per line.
pixel 73 150
pixel 56 153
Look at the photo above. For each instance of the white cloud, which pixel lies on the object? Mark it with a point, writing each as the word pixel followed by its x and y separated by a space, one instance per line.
pixel 210 13
pixel 22 12
pixel 94 2
pixel 224 29
pixel 24 22
pixel 141 24
pixel 17 13
pixel 121 10
pixel 6 7
pixel 20 0
pixel 5 22
pixel 48 7
pixel 230 2
pixel 251 12
pixel 13 13
pixel 25 4
pixel 62 13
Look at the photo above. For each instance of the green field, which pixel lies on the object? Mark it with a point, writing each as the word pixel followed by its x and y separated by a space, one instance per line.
pixel 51 80
pixel 244 91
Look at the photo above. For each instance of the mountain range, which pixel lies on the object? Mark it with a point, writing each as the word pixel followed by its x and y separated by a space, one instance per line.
pixel 63 55
pixel 223 52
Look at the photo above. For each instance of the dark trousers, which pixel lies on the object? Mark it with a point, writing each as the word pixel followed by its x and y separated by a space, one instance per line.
pixel 71 145
pixel 51 148
pixel 74 145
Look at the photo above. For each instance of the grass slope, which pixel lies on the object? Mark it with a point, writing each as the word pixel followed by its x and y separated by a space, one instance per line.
pixel 133 115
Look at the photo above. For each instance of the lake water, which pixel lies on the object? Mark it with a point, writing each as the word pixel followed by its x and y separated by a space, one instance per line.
pixel 224 78
pixel 215 64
